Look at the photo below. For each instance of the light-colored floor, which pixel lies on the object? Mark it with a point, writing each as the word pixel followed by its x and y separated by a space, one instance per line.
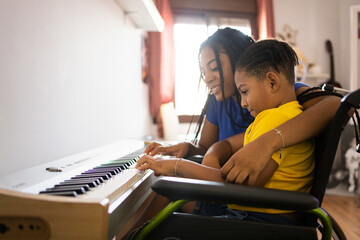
pixel 346 212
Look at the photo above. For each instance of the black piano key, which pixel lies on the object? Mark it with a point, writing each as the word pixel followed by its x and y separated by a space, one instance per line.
pixel 107 175
pixel 85 187
pixel 68 193
pixel 97 174
pixel 100 176
pixel 78 190
pixel 62 193
pixel 98 179
pixel 122 167
pixel 90 181
pixel 113 171
pixel 128 164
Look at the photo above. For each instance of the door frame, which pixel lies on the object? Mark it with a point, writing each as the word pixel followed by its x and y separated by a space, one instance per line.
pixel 354 47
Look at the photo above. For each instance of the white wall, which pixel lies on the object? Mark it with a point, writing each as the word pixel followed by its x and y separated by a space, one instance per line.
pixel 70 80
pixel 316 21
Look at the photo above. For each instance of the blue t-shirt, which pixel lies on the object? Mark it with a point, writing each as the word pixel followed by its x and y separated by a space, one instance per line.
pixel 216 114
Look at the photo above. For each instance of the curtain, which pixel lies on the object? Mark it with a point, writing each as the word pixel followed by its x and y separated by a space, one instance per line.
pixel 161 76
pixel 265 19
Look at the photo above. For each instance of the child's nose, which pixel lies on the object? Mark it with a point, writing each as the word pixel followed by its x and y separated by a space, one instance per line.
pixel 244 103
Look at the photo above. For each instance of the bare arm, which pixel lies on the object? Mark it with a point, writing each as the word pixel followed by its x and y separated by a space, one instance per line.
pixel 317 114
pixel 209 135
pixel 188 169
pixel 179 167
pixel 221 151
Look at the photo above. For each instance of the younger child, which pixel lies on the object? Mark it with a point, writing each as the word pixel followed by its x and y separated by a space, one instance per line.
pixel 265 79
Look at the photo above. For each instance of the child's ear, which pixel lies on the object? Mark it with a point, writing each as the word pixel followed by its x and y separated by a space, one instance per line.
pixel 273 80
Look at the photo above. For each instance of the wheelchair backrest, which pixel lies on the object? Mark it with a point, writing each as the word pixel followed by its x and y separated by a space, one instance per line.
pixel 327 143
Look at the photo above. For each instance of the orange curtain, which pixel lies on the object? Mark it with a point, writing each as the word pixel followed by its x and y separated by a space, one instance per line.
pixel 265 19
pixel 161 76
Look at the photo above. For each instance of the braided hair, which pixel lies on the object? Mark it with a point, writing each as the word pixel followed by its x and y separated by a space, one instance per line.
pixel 233 43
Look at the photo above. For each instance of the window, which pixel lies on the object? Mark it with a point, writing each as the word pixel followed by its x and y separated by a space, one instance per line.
pixel 189 32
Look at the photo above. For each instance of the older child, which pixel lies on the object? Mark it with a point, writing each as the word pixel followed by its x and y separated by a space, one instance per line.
pixel 264 77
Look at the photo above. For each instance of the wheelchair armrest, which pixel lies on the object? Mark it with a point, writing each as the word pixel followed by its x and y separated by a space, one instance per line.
pixel 193 189
pixel 195 158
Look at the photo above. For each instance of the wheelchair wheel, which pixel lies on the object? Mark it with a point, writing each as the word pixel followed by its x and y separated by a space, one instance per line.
pixel 338 233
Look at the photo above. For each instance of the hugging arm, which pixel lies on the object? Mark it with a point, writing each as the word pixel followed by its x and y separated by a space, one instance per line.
pixel 221 151
pixel 317 114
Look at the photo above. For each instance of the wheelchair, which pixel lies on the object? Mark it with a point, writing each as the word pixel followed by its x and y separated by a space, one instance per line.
pixel 169 224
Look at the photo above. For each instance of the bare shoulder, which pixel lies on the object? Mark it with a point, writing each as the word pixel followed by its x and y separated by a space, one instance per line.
pixel 301 89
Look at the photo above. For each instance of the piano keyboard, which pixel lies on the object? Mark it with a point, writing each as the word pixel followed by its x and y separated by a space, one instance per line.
pixel 95 177
pixel 105 191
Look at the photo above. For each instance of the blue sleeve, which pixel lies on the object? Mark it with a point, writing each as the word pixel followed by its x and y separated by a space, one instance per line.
pixel 299 85
pixel 211 111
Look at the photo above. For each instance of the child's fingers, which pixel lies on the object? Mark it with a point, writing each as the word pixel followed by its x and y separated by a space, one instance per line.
pixel 144 160
pixel 144 167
